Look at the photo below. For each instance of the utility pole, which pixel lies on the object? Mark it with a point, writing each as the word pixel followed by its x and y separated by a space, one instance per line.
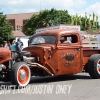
pixel 40 5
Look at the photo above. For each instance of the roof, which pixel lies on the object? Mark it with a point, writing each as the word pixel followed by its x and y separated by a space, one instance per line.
pixel 56 32
pixel 18 33
pixel 21 16
pixel 61 26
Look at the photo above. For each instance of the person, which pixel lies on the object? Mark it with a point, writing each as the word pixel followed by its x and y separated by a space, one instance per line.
pixel 6 45
pixel 29 40
pixel 1 45
pixel 13 46
pixel 22 45
pixel 64 40
pixel 9 45
pixel 18 45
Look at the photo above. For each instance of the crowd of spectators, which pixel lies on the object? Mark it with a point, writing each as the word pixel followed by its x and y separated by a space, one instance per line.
pixel 14 46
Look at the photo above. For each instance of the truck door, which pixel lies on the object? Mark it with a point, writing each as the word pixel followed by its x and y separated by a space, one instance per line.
pixel 69 54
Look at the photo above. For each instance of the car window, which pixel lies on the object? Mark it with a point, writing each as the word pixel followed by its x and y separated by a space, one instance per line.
pixel 43 39
pixel 69 39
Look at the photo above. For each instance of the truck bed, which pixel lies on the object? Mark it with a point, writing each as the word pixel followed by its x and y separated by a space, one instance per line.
pixel 90 48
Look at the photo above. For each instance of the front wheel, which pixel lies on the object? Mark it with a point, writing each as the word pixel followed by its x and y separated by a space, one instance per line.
pixel 20 74
pixel 94 66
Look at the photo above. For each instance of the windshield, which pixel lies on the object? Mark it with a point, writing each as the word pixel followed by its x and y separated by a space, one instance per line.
pixel 43 39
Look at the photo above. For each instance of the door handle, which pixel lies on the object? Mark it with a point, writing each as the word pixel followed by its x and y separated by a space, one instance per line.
pixel 77 49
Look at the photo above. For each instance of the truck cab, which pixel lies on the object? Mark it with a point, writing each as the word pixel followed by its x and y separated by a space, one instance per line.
pixel 58 57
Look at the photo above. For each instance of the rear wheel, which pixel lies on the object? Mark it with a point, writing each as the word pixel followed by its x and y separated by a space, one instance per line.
pixel 94 66
pixel 20 74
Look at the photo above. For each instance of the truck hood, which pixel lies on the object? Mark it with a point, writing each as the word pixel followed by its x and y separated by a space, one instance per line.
pixel 42 46
pixel 40 51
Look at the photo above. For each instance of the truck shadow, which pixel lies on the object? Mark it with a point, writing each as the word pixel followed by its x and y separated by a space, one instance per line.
pixel 47 79
pixel 58 78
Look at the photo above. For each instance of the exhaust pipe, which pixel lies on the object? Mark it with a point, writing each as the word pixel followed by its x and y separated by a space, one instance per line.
pixel 40 66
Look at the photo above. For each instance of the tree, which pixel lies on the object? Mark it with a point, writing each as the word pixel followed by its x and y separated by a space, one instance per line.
pixel 47 18
pixel 86 23
pixel 54 17
pixel 5 29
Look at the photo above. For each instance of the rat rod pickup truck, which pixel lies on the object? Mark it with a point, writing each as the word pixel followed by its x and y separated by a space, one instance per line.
pixel 51 52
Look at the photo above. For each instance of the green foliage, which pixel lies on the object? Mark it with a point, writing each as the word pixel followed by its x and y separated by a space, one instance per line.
pixel 85 22
pixel 47 18
pixel 5 29
pixel 54 17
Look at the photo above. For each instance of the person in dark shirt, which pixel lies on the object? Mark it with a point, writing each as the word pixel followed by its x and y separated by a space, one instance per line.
pixel 22 45
pixel 18 45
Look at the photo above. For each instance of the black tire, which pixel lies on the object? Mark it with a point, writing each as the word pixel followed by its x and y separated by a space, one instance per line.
pixel 7 77
pixel 93 66
pixel 20 74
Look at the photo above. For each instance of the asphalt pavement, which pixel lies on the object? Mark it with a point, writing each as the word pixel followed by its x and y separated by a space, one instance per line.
pixel 67 87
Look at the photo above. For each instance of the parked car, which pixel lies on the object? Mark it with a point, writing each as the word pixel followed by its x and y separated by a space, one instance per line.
pixel 48 54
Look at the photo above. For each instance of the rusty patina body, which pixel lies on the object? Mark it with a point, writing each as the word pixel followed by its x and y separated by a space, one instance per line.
pixel 5 55
pixel 61 58
pixel 51 52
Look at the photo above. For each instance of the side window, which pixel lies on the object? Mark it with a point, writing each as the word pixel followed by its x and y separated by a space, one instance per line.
pixel 69 39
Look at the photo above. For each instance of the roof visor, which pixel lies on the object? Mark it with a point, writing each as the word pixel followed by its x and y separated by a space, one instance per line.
pixel 68 27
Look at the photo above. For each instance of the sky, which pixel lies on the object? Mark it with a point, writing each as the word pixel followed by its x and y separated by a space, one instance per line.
pixel 72 6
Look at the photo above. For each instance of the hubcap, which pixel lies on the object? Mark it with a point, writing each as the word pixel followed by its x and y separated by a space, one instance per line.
pixel 22 74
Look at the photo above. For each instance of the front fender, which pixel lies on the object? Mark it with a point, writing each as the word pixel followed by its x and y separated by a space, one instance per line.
pixel 5 55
